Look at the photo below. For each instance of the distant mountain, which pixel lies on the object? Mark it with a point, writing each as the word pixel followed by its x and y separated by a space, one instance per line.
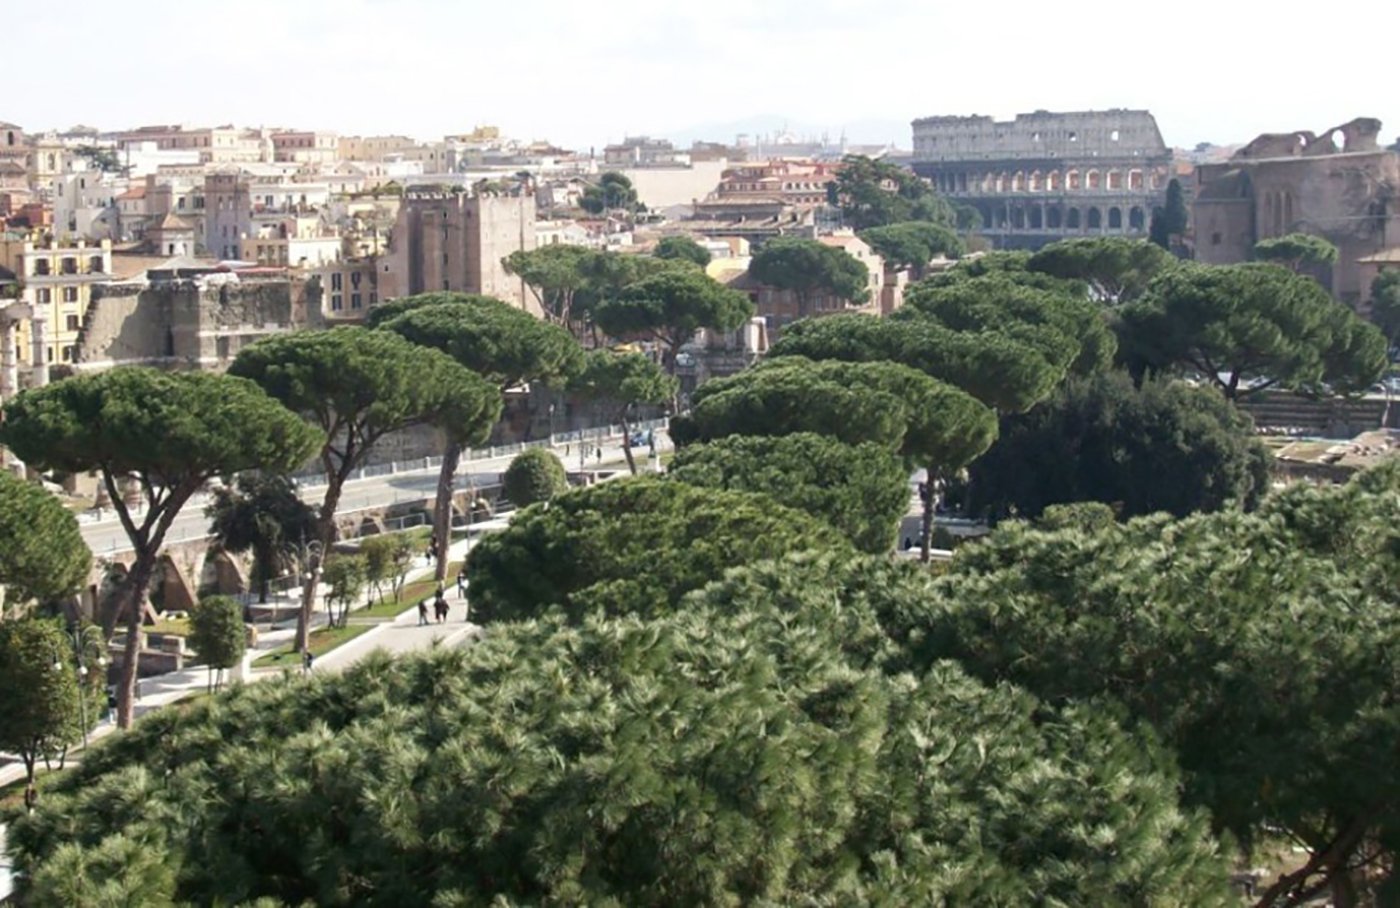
pixel 858 132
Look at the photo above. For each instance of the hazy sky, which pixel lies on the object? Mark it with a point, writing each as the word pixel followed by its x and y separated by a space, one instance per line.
pixel 584 73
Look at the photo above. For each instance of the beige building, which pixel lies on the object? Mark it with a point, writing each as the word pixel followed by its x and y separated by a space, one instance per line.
pixel 373 148
pixel 450 239
pixel 305 147
pixel 217 145
pixel 40 327
pixel 349 288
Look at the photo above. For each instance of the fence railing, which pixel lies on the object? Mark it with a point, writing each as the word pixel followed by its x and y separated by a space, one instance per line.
pixel 475 455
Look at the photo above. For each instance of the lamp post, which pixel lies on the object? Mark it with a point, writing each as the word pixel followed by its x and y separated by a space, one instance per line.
pixel 551 425
pixel 81 636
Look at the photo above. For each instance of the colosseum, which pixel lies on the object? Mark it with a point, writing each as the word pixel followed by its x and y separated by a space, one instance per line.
pixel 1046 176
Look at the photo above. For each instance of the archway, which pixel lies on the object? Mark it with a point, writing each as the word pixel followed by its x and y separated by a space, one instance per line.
pixel 1054 181
pixel 1072 180
pixel 1092 180
pixel 1036 183
pixel 1136 219
pixel 1018 181
pixel 1135 179
pixel 1072 219
pixel 1054 217
pixel 1094 221
pixel 1037 221
pixel 1115 179
pixel 1115 218
pixel 1018 218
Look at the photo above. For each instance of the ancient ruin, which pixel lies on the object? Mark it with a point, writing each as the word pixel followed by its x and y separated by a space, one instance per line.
pixel 1339 184
pixel 1047 176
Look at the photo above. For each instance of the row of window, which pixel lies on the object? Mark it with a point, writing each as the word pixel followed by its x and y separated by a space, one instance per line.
pixel 356 300
pixel 44 295
pixel 68 265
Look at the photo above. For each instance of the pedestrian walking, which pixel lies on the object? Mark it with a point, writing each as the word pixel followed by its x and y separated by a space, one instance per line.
pixel 462 584
pixel 306 661
pixel 600 453
pixel 423 613
pixel 440 608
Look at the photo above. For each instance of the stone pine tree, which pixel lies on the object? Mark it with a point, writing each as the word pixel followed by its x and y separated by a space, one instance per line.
pixel 618 382
pixel 669 307
pixel 1246 328
pixel 683 248
pixel 808 268
pixel 42 554
pixel 504 345
pixel 169 434
pixel 356 386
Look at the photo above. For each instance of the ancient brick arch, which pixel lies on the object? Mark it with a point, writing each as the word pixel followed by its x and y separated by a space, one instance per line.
pixel 1072 219
pixel 1054 182
pixel 1115 218
pixel 1092 179
pixel 1054 217
pixel 1136 218
pixel 1114 179
pixel 1094 219
pixel 1072 180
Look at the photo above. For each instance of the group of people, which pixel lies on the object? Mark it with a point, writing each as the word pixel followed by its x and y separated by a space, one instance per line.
pixel 439 602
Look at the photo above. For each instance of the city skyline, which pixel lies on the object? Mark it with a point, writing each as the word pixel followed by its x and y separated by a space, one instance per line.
pixel 582 77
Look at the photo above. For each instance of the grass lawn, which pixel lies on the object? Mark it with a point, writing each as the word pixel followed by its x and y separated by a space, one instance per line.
pixel 413 594
pixel 323 640
pixel 175 627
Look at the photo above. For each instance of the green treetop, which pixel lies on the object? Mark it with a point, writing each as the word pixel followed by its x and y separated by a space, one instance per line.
pixel 631 546
pixel 683 248
pixel 42 553
pixel 534 475
pixel 810 268
pixel 861 490
pixel 1255 321
pixel 1117 270
pixel 670 307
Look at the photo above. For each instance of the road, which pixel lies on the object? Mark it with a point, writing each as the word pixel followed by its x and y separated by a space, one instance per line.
pixel 106 536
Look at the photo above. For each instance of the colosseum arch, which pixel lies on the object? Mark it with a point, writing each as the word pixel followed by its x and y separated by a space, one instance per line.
pixel 1037 183
pixel 1072 219
pixel 1018 218
pixel 1072 180
pixel 1114 179
pixel 1053 181
pixel 1003 182
pixel 1018 181
pixel 1135 179
pixel 1054 217
pixel 1093 180
pixel 1115 218
pixel 1036 219
pixel 1094 219
pixel 1136 219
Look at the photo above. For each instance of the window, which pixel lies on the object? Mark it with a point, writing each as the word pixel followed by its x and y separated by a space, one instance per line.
pixel 70 294
pixel 68 353
pixel 45 295
pixel 355 302
pixel 373 297
pixel 336 281
pixel 337 302
pixel 1215 239
pixel 72 322
pixel 41 267
pixel 95 265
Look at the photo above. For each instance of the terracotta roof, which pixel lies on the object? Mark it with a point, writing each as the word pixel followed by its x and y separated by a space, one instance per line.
pixel 173 221
pixel 135 192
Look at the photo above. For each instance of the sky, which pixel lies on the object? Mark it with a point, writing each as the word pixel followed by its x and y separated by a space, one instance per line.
pixel 583 74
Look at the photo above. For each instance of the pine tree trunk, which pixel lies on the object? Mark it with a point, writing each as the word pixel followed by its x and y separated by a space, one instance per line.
pixel 442 509
pixel 134 598
pixel 326 526
pixel 627 445
pixel 930 500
